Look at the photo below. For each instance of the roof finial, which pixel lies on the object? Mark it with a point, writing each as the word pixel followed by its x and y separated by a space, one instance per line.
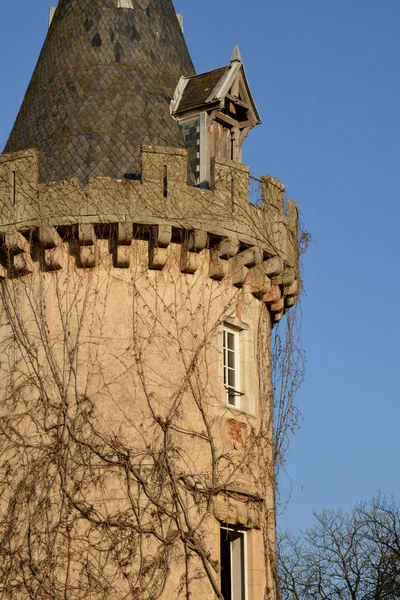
pixel 236 56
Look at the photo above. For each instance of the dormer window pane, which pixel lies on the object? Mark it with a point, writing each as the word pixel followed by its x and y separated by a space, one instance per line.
pixel 194 135
pixel 191 136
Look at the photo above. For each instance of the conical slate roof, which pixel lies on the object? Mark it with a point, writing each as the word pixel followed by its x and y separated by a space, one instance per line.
pixel 102 87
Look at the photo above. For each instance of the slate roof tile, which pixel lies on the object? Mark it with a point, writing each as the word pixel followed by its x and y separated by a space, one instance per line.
pixel 90 106
pixel 199 88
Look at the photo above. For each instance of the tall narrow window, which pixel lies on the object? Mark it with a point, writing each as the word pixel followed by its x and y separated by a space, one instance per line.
pixel 194 135
pixel 233 572
pixel 231 366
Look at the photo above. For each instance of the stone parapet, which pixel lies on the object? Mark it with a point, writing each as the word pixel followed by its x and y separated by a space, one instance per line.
pixel 252 245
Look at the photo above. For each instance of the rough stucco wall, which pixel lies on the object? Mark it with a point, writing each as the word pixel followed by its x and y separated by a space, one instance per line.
pixel 147 348
pixel 114 426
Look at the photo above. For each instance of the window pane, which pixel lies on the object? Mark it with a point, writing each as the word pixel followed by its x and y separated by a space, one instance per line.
pixel 231 340
pixel 232 557
pixel 231 372
pixel 231 359
pixel 225 341
pixel 237 565
pixel 225 565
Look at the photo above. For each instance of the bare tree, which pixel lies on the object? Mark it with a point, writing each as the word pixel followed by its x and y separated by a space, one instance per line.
pixel 345 556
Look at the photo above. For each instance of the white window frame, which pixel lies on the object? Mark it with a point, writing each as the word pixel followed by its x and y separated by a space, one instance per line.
pixel 237 592
pixel 233 393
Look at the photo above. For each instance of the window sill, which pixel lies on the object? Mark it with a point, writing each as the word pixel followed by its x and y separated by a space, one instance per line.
pixel 222 409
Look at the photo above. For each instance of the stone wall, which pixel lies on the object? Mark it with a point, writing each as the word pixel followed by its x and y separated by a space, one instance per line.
pixel 120 454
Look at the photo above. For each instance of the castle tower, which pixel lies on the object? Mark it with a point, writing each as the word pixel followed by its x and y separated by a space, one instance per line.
pixel 139 287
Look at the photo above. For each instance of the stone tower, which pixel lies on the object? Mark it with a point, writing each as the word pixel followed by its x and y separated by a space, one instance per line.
pixel 139 287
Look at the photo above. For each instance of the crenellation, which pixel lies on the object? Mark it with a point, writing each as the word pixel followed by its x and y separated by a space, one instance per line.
pixel 225 208
pixel 221 216
pixel 232 180
pixel 273 193
pixel 19 193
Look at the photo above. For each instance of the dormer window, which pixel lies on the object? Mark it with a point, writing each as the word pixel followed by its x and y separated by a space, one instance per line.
pixel 216 111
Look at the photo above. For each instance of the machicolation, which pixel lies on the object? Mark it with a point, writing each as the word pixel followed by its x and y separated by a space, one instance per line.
pixel 43 224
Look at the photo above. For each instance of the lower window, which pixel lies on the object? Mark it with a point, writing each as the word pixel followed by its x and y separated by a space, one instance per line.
pixel 233 574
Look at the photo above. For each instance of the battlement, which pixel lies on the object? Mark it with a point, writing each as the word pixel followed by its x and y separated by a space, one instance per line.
pixel 247 242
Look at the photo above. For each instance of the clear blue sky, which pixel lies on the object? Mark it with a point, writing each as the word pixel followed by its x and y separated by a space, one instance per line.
pixel 325 76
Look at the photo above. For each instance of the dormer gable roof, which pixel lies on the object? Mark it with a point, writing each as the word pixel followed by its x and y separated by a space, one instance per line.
pixel 207 91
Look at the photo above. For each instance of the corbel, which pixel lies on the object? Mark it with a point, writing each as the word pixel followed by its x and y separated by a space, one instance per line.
pixel 273 295
pixel 291 290
pixel 197 240
pixel 16 243
pixel 189 261
pixel 274 266
pixel 278 306
pixel 194 242
pixel 87 240
pixel 219 256
pixel 228 248
pixel 22 263
pixel 19 253
pixel 260 283
pixel 212 116
pixel 276 317
pixel 290 301
pixel 48 236
pixel 286 278
pixel 245 129
pixel 160 239
pixel 244 261
pixel 54 250
pixel 218 266
pixel 123 242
